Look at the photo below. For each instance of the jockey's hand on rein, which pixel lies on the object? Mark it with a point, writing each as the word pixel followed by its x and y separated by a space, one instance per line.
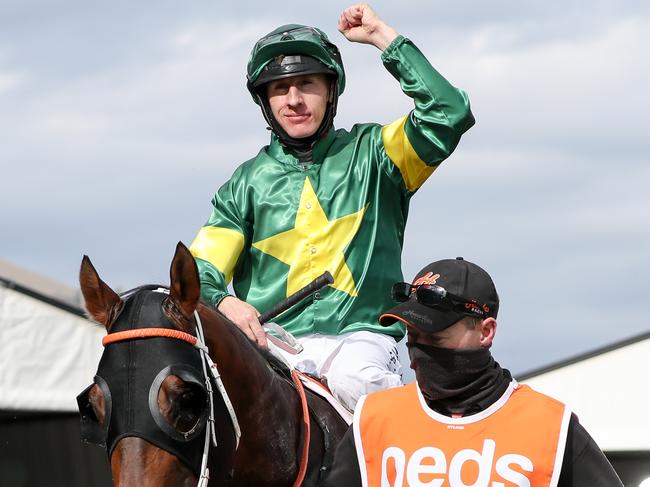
pixel 245 316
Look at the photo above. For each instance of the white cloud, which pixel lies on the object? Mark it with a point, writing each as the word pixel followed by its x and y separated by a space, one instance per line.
pixel 10 82
pixel 580 89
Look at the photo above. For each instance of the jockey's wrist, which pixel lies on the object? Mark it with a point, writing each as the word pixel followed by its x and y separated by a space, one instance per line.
pixel 218 297
pixel 383 36
pixel 388 52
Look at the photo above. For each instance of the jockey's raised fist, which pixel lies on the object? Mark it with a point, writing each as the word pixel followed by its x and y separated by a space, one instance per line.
pixel 360 23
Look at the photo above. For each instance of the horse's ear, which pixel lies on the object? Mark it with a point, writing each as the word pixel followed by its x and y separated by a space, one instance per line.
pixel 185 287
pixel 103 304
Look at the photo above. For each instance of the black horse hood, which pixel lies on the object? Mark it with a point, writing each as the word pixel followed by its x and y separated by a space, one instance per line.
pixel 133 372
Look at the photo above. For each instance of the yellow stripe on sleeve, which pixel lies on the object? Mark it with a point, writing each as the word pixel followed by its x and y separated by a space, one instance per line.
pixel 219 246
pixel 398 147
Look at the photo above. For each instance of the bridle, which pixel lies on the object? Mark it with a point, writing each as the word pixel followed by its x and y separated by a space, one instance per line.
pixel 208 364
pixel 210 374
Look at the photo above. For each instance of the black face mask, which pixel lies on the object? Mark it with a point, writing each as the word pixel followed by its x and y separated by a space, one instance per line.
pixel 130 375
pixel 457 381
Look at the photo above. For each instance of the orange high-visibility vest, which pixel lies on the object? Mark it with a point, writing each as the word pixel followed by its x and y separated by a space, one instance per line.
pixel 517 441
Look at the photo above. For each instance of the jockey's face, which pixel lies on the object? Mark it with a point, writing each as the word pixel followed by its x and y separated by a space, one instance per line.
pixel 299 103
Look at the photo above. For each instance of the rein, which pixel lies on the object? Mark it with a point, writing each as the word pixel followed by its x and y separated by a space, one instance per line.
pixel 304 457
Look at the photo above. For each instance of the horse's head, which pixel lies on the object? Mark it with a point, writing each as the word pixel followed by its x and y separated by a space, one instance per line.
pixel 149 403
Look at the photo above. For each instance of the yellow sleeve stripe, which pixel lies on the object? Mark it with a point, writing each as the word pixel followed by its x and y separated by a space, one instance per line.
pixel 398 147
pixel 219 246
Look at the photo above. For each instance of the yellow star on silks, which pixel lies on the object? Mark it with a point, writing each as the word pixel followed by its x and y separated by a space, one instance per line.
pixel 315 245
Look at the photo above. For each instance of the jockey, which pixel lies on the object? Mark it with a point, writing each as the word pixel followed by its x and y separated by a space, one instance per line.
pixel 320 199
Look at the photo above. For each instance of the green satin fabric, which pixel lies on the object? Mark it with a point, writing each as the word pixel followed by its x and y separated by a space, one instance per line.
pixel 350 171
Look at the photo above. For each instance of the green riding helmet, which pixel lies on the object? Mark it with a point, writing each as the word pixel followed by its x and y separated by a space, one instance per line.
pixel 293 39
pixel 294 50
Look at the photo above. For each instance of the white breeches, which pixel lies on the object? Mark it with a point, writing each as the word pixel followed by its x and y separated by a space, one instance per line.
pixel 354 364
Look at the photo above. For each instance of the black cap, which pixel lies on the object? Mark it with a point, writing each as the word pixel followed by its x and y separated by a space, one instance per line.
pixel 457 276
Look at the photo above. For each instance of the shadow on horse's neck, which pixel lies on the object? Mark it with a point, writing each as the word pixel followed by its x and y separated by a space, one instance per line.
pixel 268 408
pixel 242 365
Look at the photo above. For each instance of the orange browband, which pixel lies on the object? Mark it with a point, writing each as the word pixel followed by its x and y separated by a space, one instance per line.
pixel 121 336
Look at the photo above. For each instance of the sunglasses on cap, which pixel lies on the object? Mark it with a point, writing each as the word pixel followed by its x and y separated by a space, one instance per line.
pixel 437 297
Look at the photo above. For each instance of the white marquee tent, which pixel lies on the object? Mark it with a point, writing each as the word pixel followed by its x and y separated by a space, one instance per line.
pixel 608 390
pixel 48 350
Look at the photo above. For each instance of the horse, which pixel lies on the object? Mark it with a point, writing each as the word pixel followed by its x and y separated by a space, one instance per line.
pixel 152 405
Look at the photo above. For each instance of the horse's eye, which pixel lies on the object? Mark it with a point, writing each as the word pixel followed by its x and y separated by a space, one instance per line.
pixel 190 406
pixel 181 403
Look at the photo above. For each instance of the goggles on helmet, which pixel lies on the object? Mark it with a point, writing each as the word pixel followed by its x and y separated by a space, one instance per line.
pixel 298 33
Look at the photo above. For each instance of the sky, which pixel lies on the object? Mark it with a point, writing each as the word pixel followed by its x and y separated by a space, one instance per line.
pixel 119 120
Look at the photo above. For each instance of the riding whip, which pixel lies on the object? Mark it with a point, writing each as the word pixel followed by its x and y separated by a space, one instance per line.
pixel 285 340
pixel 318 283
